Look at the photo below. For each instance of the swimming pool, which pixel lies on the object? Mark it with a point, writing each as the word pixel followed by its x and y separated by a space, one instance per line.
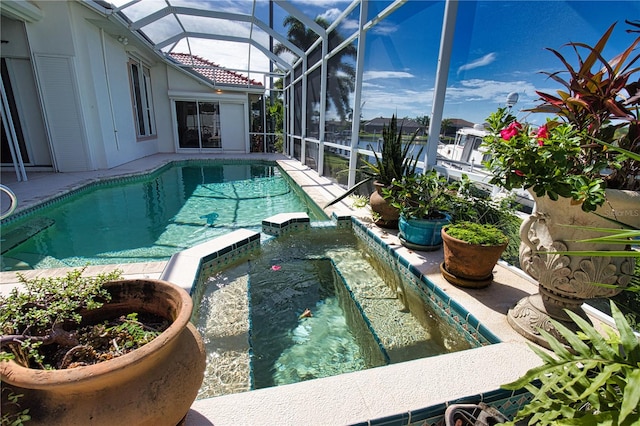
pixel 365 313
pixel 150 217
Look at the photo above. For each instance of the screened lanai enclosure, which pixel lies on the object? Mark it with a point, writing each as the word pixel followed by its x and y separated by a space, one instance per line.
pixel 314 79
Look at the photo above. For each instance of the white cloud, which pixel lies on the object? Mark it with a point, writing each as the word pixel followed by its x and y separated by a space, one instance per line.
pixel 330 15
pixel 371 75
pixel 472 99
pixel 481 62
pixel 384 28
pixel 489 90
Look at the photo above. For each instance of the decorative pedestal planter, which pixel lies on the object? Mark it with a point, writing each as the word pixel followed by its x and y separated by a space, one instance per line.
pixel 565 282
pixel 153 385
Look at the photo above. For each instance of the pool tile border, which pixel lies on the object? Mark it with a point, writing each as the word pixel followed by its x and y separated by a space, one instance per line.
pixel 192 266
pixel 455 315
pixel 507 402
pixel 285 223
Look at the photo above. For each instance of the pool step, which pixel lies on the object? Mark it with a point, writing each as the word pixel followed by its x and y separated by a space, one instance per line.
pixel 400 333
pixel 22 233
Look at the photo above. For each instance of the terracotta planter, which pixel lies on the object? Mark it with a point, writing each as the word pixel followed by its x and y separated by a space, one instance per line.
pixel 388 214
pixel 153 385
pixel 469 265
pixel 565 282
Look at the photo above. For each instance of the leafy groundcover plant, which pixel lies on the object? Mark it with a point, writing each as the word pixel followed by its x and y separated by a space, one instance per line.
pixel 42 325
pixel 476 233
pixel 594 381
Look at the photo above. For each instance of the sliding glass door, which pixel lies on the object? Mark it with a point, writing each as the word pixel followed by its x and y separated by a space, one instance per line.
pixel 198 124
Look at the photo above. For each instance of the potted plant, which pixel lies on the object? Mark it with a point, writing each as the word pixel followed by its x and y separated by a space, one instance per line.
pixel 423 201
pixel 81 350
pixel 395 162
pixel 581 168
pixel 592 378
pixel 471 250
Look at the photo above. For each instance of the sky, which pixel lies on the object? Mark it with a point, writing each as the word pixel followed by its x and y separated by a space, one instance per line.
pixel 499 47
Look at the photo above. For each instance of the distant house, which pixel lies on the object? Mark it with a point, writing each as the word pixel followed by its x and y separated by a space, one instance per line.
pixel 409 125
pixel 459 123
pixel 84 92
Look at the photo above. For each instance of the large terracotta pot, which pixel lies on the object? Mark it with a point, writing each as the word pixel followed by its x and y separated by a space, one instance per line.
pixel 469 265
pixel 388 215
pixel 565 282
pixel 154 385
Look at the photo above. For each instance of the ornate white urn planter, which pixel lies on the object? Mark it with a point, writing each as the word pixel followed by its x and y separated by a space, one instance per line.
pixel 566 281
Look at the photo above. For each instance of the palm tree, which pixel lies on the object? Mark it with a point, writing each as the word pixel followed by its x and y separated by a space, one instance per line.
pixel 423 120
pixel 446 126
pixel 340 73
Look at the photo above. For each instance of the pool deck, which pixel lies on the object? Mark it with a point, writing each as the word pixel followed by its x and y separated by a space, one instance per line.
pixel 351 398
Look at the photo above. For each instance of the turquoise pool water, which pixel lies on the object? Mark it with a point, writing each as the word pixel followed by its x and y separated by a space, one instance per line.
pixel 251 314
pixel 149 218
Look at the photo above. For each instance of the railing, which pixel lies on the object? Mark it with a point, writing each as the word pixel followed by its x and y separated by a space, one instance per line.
pixel 14 201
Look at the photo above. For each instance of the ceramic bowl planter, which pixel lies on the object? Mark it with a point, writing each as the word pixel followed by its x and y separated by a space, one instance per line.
pixel 470 263
pixel 422 234
pixel 153 385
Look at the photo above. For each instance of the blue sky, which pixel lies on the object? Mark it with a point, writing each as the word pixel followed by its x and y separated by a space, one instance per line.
pixel 499 47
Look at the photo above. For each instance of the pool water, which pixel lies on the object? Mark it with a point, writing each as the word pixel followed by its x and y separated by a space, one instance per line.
pixel 251 315
pixel 153 217
pixel 304 325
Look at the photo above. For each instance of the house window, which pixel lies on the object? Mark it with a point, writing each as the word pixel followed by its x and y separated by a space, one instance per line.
pixel 140 78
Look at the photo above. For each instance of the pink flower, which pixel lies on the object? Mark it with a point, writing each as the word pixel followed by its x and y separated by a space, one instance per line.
pixel 510 131
pixel 543 133
pixel 518 172
pixel 276 267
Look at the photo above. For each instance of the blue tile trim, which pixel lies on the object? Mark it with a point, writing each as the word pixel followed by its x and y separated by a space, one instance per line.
pixel 507 402
pixel 450 310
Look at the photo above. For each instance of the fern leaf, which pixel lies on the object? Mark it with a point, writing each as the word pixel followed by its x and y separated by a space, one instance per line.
pixel 631 396
pixel 558 348
pixel 595 338
pixel 628 338
pixel 601 379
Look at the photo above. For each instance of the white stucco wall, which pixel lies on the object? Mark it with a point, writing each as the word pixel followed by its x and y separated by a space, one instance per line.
pixel 106 91
pixel 83 83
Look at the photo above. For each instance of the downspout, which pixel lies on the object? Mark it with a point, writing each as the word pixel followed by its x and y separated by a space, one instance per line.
pixel 106 76
pixel 442 74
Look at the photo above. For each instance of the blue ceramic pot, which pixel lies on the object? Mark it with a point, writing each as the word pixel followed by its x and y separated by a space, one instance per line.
pixel 422 232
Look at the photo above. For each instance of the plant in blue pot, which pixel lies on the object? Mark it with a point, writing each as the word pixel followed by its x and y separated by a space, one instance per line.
pixel 423 200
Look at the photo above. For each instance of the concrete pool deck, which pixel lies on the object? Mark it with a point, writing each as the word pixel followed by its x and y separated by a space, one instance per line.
pixel 360 397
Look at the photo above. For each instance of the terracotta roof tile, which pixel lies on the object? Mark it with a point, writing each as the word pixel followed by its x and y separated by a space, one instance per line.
pixel 211 70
